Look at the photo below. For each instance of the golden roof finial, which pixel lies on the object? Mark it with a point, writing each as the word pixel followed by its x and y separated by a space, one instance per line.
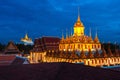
pixel 26 36
pixel 78 22
pixel 90 33
pixel 96 34
pixel 78 15
pixel 90 36
pixel 96 37
pixel 71 31
pixel 66 34
pixel 62 35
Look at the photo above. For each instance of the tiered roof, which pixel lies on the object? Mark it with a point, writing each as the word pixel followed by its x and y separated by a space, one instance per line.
pixel 11 48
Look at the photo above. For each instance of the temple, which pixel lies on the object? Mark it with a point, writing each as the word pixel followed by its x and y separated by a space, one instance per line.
pixel 74 48
pixel 78 40
pixel 11 48
pixel 26 39
pixel 12 55
pixel 46 44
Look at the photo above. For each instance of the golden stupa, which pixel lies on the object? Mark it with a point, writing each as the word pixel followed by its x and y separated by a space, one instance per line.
pixel 26 39
pixel 78 41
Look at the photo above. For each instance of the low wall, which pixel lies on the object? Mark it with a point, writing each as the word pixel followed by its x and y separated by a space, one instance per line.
pixel 36 57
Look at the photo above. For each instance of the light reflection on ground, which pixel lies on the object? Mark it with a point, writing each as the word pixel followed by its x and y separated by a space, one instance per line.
pixel 116 67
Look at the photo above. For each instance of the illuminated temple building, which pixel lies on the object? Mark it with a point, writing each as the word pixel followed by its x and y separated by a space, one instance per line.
pixel 46 44
pixel 79 41
pixel 27 40
pixel 74 48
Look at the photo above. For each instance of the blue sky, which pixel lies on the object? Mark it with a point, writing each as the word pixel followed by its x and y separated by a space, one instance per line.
pixel 49 17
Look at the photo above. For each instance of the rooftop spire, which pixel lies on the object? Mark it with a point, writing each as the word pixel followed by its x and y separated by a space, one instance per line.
pixel 90 36
pixel 26 36
pixel 71 31
pixel 66 34
pixel 62 35
pixel 90 32
pixel 96 37
pixel 96 33
pixel 78 15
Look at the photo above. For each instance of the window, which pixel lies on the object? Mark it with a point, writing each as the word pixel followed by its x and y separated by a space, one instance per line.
pixel 82 46
pixel 98 46
pixel 95 46
pixel 92 46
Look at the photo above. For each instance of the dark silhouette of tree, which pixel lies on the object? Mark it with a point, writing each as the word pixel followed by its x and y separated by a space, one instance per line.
pixel 24 48
pixel 2 47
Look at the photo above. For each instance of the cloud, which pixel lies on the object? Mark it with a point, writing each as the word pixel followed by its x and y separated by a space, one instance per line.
pixel 47 17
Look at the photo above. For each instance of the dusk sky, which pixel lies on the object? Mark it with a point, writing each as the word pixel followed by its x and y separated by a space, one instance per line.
pixel 49 17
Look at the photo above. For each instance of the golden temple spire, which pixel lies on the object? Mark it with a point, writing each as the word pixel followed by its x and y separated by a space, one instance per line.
pixel 78 20
pixel 78 26
pixel 90 36
pixel 71 31
pixel 96 33
pixel 90 32
pixel 26 39
pixel 62 40
pixel 66 34
pixel 62 35
pixel 96 37
pixel 26 36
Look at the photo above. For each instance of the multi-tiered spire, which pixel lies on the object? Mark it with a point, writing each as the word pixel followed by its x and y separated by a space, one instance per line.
pixel 62 40
pixel 90 37
pixel 79 38
pixel 96 40
pixel 78 20
pixel 26 36
pixel 78 26
pixel 26 39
